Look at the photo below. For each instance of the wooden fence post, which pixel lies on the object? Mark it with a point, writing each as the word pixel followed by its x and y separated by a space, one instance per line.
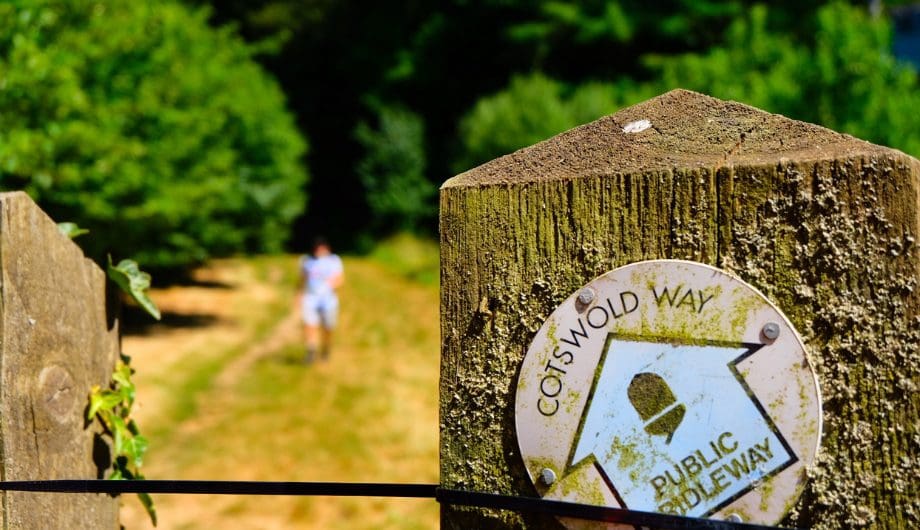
pixel 824 224
pixel 56 341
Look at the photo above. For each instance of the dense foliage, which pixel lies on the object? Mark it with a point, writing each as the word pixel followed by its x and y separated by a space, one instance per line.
pixel 843 76
pixel 489 77
pixel 531 109
pixel 142 123
pixel 393 169
pixel 137 115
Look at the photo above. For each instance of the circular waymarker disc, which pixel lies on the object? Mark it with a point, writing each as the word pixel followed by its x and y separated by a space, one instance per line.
pixel 669 386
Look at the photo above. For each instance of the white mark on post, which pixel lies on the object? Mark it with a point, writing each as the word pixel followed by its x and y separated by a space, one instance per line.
pixel 637 126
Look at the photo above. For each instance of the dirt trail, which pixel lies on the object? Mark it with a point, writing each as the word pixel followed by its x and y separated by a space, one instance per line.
pixel 368 414
pixel 220 296
pixel 221 300
pixel 284 333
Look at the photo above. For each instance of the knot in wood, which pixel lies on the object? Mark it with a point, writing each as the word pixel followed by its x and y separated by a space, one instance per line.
pixel 56 393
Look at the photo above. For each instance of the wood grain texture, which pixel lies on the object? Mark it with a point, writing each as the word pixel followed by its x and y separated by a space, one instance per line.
pixel 56 342
pixel 824 224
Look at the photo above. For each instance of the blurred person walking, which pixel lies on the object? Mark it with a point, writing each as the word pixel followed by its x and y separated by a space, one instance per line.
pixel 321 274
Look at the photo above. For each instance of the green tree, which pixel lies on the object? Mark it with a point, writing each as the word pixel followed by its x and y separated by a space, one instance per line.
pixel 844 77
pixel 393 169
pixel 441 58
pixel 140 122
pixel 531 109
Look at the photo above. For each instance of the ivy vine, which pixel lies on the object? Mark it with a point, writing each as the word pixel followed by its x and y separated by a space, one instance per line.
pixel 112 405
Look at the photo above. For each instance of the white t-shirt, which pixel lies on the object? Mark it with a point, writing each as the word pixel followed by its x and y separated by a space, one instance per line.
pixel 318 271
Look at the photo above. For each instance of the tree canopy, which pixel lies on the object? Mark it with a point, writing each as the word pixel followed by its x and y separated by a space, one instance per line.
pixel 491 76
pixel 155 117
pixel 842 76
pixel 142 123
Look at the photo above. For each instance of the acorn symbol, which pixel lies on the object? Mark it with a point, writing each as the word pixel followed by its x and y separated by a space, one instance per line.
pixel 654 400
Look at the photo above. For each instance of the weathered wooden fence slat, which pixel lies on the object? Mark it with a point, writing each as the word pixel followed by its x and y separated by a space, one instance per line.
pixel 57 340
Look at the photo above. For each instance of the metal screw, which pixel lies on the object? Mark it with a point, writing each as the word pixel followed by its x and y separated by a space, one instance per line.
pixel 586 296
pixel 734 518
pixel 771 330
pixel 547 476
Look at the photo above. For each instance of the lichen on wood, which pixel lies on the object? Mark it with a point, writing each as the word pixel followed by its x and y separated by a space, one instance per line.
pixel 824 224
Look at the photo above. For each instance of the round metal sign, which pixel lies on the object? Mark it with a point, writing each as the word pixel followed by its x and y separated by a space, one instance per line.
pixel 673 387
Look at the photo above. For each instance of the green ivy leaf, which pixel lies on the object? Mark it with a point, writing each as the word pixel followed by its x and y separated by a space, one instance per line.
pixel 121 434
pixel 123 379
pixel 125 387
pixel 71 230
pixel 104 401
pixel 147 501
pixel 135 282
pixel 113 405
pixel 123 473
pixel 135 448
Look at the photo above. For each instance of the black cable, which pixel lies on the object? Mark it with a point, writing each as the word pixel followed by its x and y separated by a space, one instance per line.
pixel 359 489
pixel 224 487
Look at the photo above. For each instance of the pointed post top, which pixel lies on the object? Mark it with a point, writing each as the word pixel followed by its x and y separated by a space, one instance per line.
pixel 678 129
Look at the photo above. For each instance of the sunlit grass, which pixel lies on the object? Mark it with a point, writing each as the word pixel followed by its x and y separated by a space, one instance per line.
pixel 409 256
pixel 198 370
pixel 367 415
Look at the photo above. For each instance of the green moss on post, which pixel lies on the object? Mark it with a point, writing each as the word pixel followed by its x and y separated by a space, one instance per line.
pixel 824 224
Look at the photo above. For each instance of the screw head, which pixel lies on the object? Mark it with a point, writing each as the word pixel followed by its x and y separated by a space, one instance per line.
pixel 586 296
pixel 771 330
pixel 547 476
pixel 734 518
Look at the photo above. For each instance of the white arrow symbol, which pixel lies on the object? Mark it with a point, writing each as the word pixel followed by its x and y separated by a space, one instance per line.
pixel 655 405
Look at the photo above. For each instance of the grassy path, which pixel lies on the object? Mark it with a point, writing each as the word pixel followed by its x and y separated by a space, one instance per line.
pixel 229 399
